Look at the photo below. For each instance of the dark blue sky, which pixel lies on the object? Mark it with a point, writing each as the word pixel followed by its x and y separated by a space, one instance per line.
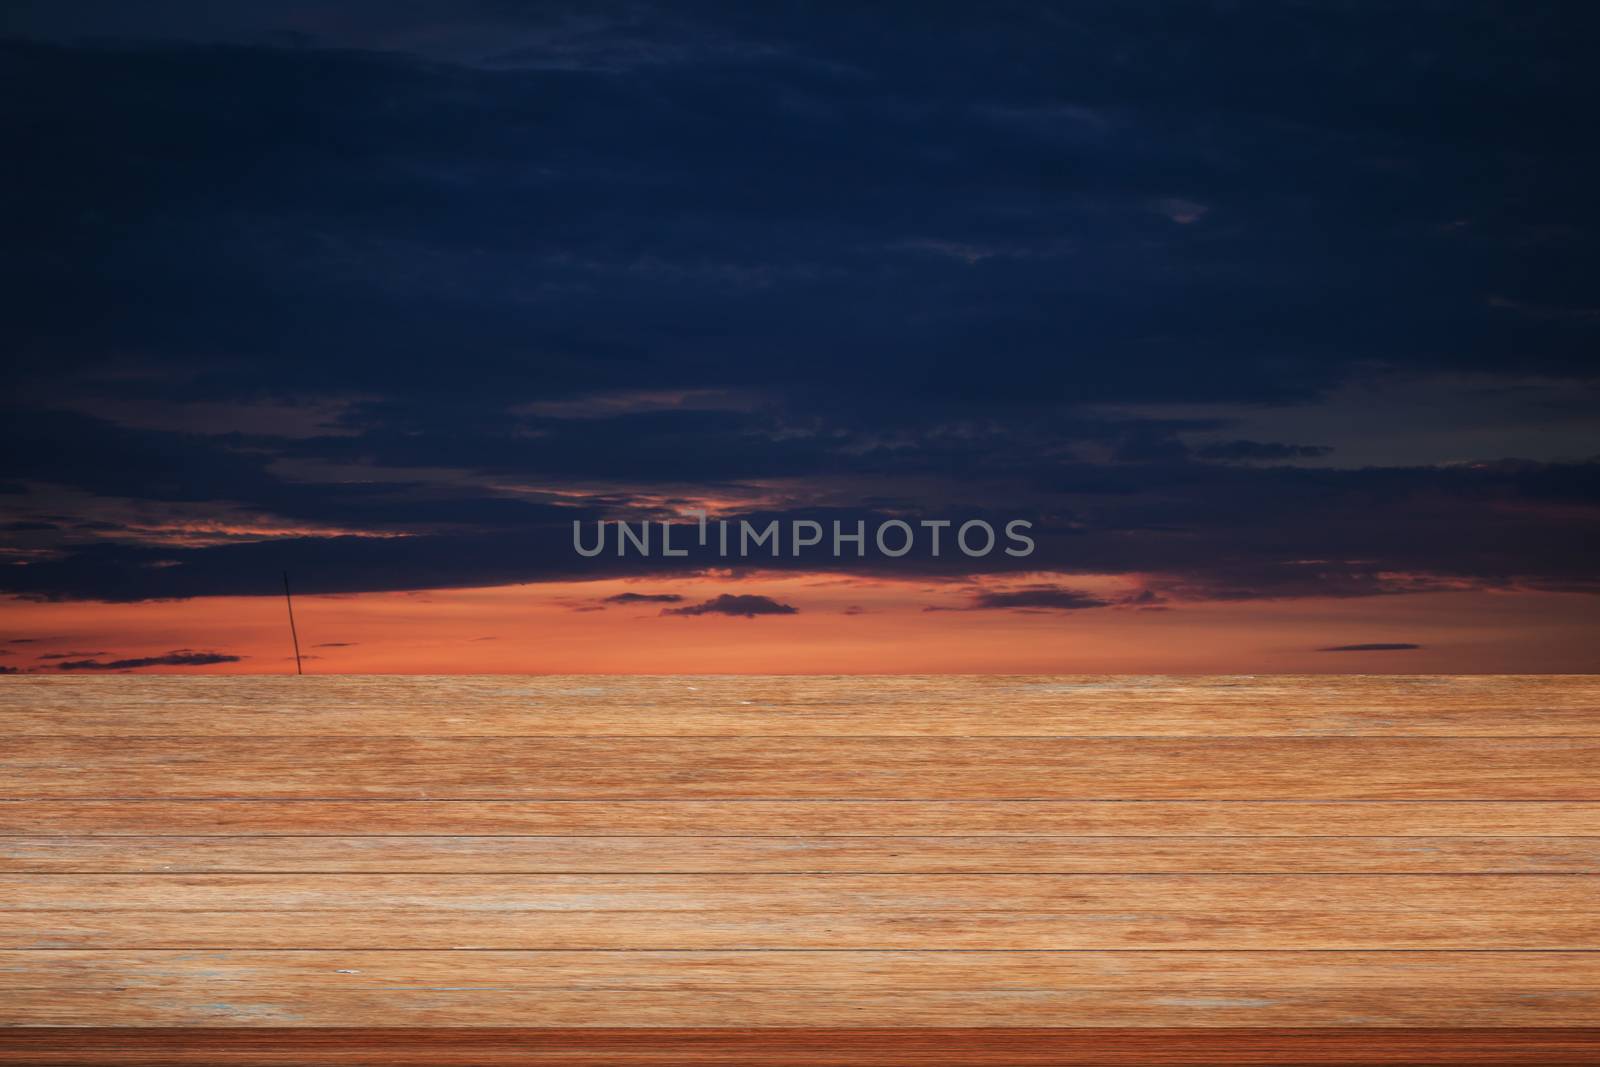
pixel 1252 299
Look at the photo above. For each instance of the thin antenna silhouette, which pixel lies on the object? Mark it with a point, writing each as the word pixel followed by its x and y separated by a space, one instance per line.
pixel 287 599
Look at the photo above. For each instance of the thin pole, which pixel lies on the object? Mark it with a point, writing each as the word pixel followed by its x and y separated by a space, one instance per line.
pixel 287 599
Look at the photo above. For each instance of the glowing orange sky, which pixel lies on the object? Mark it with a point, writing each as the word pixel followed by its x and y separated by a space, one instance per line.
pixel 843 625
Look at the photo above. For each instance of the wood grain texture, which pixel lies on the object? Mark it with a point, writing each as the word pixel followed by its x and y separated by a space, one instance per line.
pixel 458 1007
pixel 1001 928
pixel 634 856
pixel 814 988
pixel 789 893
pixel 938 705
pixel 888 768
pixel 797 855
pixel 790 1047
pixel 973 706
pixel 854 972
pixel 830 818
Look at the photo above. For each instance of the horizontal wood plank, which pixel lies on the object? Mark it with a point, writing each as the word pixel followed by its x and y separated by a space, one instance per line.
pixel 1388 894
pixel 789 988
pixel 815 855
pixel 1002 928
pixel 801 818
pixel 848 971
pixel 457 1006
pixel 1190 696
pixel 868 768
pixel 798 706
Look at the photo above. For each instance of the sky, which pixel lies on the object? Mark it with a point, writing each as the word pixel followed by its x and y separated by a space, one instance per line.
pixel 1277 322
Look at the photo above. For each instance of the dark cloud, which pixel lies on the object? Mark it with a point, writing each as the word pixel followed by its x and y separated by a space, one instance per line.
pixel 744 606
pixel 71 655
pixel 9 670
pixel 1258 450
pixel 1041 597
pixel 182 658
pixel 644 598
pixel 798 175
pixel 336 644
pixel 1375 647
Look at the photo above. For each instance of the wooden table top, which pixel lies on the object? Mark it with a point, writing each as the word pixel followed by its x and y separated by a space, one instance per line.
pixel 851 869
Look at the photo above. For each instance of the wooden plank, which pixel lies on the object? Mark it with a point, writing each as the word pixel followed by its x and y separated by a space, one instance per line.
pixel 1530 691
pixel 822 988
pixel 983 705
pixel 802 818
pixel 843 971
pixel 722 706
pixel 817 855
pixel 998 929
pixel 799 1047
pixel 318 1005
pixel 1388 894
pixel 867 768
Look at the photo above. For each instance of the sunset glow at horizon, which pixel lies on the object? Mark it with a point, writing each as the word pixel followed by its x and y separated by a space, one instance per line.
pixel 840 625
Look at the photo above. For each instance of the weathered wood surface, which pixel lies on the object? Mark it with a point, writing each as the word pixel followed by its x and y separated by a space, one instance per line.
pixel 782 852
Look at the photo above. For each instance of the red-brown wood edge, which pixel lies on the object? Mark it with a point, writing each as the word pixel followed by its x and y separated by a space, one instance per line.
pixel 1067 1047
